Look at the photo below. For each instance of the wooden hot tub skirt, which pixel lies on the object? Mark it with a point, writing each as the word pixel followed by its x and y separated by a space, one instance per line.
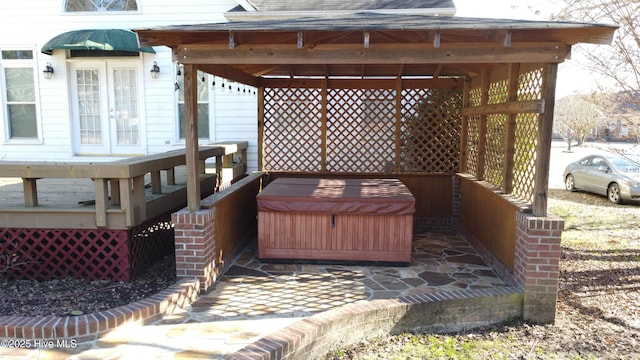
pixel 332 219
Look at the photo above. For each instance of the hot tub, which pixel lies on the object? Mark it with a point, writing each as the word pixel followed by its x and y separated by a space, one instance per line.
pixel 336 219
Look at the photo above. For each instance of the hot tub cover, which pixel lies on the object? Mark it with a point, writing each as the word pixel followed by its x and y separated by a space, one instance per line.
pixel 337 196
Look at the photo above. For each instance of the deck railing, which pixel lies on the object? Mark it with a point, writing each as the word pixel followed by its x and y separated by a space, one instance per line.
pixel 127 192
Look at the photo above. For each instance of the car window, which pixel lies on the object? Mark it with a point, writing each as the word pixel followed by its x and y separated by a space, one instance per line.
pixel 625 165
pixel 585 162
pixel 597 162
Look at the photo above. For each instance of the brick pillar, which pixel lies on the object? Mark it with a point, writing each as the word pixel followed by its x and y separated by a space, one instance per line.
pixel 195 246
pixel 537 265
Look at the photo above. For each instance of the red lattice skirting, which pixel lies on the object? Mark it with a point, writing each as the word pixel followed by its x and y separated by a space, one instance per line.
pixel 43 254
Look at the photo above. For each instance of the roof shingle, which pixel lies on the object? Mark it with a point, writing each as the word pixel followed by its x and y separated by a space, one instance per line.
pixel 351 5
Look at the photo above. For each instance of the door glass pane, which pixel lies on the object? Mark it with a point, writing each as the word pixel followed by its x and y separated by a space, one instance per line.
pixel 126 106
pixel 89 106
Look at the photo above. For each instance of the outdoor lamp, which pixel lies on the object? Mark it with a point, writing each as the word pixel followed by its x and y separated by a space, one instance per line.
pixel 155 71
pixel 48 71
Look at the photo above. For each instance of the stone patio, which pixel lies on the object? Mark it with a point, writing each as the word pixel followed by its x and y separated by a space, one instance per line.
pixel 254 300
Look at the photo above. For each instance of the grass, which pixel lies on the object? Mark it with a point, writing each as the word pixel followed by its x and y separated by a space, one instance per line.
pixel 597 236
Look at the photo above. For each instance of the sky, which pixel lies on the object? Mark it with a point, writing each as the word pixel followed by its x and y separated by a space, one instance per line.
pixel 571 79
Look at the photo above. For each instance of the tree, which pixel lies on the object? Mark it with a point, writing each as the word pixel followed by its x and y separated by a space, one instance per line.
pixel 577 116
pixel 619 62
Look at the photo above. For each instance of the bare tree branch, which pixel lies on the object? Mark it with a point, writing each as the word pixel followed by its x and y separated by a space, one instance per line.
pixel 620 62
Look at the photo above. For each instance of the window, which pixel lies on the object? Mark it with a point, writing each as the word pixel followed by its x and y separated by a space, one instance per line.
pixel 203 105
pixel 19 94
pixel 100 5
pixel 597 162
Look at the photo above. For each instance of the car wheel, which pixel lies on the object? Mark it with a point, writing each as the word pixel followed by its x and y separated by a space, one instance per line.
pixel 569 183
pixel 613 193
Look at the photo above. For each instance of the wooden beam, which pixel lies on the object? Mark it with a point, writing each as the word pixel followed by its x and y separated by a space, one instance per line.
pixel 126 201
pixel 139 200
pixel 482 136
pixel 324 125
pixel 509 148
pixel 545 132
pixel 30 190
pixel 260 128
pixel 512 107
pixel 156 182
pixel 375 54
pixel 464 133
pixel 398 127
pixel 443 83
pixel 192 157
pixel 230 73
pixel 437 71
pixel 115 192
pixel 102 201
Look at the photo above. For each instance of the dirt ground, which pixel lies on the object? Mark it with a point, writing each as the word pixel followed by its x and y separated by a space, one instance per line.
pixel 598 307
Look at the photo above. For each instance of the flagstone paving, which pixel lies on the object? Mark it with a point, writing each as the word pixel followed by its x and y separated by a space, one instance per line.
pixel 254 298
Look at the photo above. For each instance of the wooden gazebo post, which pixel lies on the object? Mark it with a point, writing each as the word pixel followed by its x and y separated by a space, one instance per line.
pixel 545 131
pixel 191 136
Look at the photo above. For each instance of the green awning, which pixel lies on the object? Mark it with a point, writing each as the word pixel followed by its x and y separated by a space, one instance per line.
pixel 102 39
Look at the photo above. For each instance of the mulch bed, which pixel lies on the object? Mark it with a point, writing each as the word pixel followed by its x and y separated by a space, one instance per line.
pixel 598 309
pixel 71 296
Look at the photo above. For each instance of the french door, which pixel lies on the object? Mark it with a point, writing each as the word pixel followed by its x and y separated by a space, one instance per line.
pixel 106 113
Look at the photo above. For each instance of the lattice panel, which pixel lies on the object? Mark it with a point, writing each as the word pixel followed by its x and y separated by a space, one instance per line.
pixel 475 97
pixel 361 126
pixel 530 85
pixel 473 139
pixel 292 130
pixel 498 92
pixel 494 149
pixel 43 254
pixel 430 133
pixel 51 254
pixel 150 242
pixel 526 148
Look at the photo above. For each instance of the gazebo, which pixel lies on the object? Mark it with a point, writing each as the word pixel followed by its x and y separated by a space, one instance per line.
pixel 459 109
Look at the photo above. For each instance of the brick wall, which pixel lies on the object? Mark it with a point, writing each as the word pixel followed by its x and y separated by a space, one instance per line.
pixel 537 265
pixel 535 242
pixel 195 246
pixel 445 312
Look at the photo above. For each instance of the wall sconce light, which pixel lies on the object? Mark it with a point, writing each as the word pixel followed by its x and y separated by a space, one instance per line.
pixel 155 71
pixel 48 71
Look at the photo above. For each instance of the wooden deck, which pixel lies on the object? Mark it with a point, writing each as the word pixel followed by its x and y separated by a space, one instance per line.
pixel 110 195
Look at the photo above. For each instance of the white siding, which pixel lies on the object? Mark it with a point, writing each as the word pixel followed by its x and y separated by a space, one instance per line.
pixel 236 119
pixel 31 23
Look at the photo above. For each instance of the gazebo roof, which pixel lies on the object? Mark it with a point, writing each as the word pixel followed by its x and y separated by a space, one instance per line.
pixel 341 5
pixel 369 45
pixel 383 50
